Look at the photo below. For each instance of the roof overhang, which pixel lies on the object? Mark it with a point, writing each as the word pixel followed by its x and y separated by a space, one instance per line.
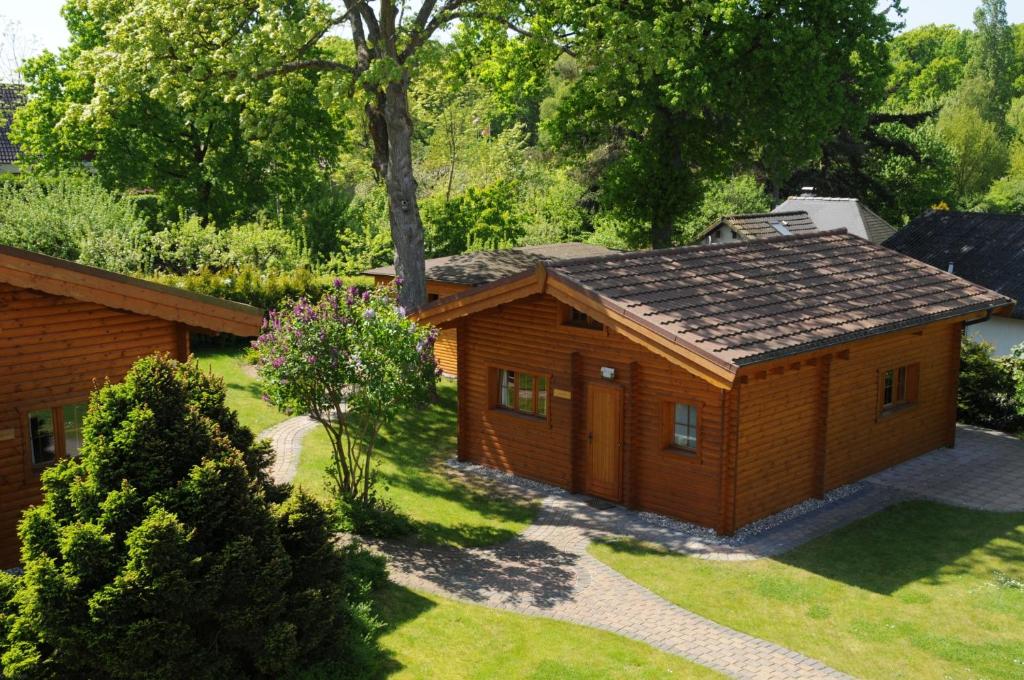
pixel 449 310
pixel 55 276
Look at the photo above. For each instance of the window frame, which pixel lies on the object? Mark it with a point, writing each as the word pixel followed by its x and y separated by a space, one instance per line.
pixel 898 388
pixel 496 392
pixel 668 428
pixel 565 319
pixel 57 413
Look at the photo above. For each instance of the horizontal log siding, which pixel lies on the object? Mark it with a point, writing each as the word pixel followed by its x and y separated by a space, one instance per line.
pixel 527 335
pixel 446 351
pixel 779 419
pixel 861 444
pixel 52 350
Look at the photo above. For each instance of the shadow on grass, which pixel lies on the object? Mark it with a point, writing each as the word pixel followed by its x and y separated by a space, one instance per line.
pixel 915 541
pixel 395 606
pixel 417 443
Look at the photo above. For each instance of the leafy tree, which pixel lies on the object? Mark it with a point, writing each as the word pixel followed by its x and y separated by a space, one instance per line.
pixel 992 58
pixel 352 362
pixel 675 92
pixel 987 391
pixel 73 217
pixel 481 219
pixel 738 194
pixel 159 552
pixel 979 152
pixel 927 65
pixel 150 92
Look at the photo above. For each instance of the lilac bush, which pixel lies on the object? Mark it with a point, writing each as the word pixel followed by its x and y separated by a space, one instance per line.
pixel 352 361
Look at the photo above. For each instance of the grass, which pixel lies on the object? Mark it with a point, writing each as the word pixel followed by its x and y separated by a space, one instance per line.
pixel 411 452
pixel 432 637
pixel 243 394
pixel 920 590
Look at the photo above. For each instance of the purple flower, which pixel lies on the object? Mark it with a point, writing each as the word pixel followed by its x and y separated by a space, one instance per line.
pixel 310 359
pixel 369 314
pixel 399 280
pixel 278 362
pixel 366 296
pixel 337 283
pixel 265 397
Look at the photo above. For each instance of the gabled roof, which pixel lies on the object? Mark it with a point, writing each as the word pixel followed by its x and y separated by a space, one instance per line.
pixel 762 225
pixel 484 266
pixel 840 213
pixel 11 97
pixel 985 248
pixel 59 277
pixel 717 308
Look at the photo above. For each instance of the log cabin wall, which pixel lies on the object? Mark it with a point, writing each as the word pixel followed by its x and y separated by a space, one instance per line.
pixel 528 335
pixel 784 419
pixel 53 350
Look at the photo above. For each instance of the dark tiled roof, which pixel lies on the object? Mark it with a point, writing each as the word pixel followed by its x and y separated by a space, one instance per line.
pixel 11 97
pixel 760 225
pixel 841 213
pixel 985 248
pixel 751 301
pixel 484 266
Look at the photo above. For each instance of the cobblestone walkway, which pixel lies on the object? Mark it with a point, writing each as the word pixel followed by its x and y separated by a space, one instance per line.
pixel 546 571
pixel 286 440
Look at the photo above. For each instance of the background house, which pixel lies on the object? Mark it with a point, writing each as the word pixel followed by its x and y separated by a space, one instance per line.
pixel 717 383
pixel 456 273
pixel 11 97
pixel 757 225
pixel 985 248
pixel 64 328
pixel 839 213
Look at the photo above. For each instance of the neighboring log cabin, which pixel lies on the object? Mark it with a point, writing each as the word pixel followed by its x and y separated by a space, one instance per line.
pixel 64 329
pixel 718 384
pixel 449 275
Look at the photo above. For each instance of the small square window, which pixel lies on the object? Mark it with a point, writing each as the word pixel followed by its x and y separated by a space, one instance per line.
pixel 522 392
pixel 898 387
pixel 42 437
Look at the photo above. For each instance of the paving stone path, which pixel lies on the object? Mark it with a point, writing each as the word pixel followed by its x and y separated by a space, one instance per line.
pixel 286 440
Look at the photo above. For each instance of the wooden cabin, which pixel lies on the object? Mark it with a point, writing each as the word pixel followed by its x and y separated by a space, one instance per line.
pixel 449 275
pixel 719 383
pixel 64 329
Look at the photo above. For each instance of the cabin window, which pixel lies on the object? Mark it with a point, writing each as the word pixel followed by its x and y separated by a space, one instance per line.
pixel 42 437
pixel 523 392
pixel 55 433
pixel 73 416
pixel 684 426
pixel 577 319
pixel 897 387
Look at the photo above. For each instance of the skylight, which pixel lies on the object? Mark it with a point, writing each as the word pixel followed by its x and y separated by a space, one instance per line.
pixel 781 228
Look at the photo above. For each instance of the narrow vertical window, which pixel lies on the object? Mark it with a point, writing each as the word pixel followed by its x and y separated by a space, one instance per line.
pixel 684 427
pixel 887 391
pixel 41 435
pixel 507 388
pixel 526 384
pixel 73 416
pixel 542 395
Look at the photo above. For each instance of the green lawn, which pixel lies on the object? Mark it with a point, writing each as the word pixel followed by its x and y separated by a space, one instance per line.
pixel 432 637
pixel 920 590
pixel 411 452
pixel 243 395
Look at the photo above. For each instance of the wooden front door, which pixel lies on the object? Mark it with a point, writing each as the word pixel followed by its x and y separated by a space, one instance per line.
pixel 604 441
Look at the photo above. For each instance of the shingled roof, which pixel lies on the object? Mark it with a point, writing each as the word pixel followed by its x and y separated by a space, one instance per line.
pixel 749 302
pixel 985 248
pixel 11 97
pixel 831 213
pixel 763 225
pixel 484 266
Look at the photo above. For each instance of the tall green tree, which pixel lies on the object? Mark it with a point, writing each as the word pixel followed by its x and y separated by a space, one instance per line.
pixel 149 93
pixel 673 92
pixel 993 58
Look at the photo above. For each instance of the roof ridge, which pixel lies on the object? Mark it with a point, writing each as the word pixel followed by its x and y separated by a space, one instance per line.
pixel 751 244
pixel 766 214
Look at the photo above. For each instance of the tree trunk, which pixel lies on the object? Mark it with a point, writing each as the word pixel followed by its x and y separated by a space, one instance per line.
pixel 661 230
pixel 404 212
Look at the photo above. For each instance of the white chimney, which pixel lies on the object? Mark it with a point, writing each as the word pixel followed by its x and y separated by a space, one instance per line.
pixel 950 268
pixel 807 191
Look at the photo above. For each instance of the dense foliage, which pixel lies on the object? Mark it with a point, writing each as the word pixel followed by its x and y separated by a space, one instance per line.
pixel 352 361
pixel 988 392
pixel 164 551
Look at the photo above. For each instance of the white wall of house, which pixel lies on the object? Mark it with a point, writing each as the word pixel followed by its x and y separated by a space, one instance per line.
pixel 722 234
pixel 1001 332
